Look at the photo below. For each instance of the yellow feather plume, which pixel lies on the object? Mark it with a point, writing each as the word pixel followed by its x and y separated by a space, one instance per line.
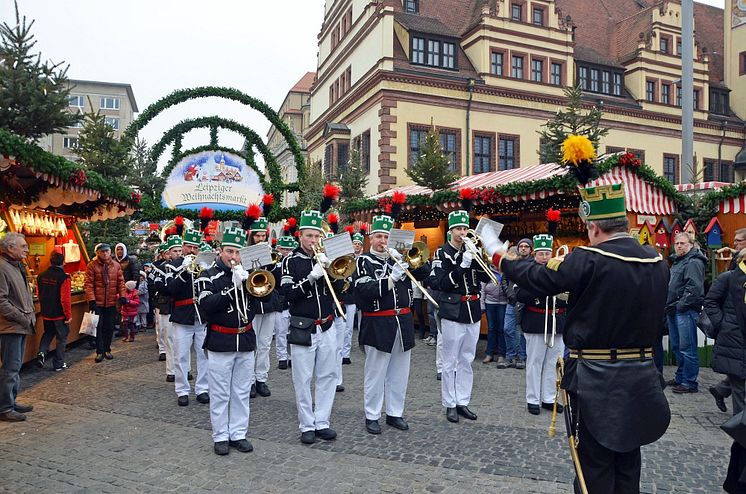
pixel 576 149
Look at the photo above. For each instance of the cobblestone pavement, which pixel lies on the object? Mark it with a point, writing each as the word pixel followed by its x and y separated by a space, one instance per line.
pixel 115 427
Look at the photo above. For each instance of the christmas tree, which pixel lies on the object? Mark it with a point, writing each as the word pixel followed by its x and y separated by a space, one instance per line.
pixel 351 178
pixel 34 96
pixel 432 169
pixel 101 150
pixel 571 120
pixel 311 186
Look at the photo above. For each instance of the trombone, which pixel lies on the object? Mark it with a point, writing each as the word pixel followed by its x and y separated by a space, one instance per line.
pixel 563 249
pixel 339 269
pixel 238 291
pixel 416 257
pixel 195 269
pixel 260 283
pixel 482 259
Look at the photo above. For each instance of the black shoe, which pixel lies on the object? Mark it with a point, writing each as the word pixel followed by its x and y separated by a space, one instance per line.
pixel 464 411
pixel 12 416
pixel 550 407
pixel 183 400
pixel 242 445
pixel 397 423
pixel 372 426
pixel 61 367
pixel 190 377
pixel 99 358
pixel 340 388
pixel 533 409
pixel 308 437
pixel 221 448
pixel 262 389
pixel 346 361
pixel 252 393
pixel 719 400
pixel 452 415
pixel 439 377
pixel 282 364
pixel 672 382
pixel 681 389
pixel 327 434
pixel 108 356
pixel 170 378
pixel 23 408
pixel 203 398
pixel 40 359
pixel 161 357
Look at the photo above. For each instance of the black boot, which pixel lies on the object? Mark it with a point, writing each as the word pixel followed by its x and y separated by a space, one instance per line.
pixel 451 415
pixel 252 393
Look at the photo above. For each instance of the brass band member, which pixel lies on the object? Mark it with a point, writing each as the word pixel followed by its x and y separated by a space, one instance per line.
pixel 285 246
pixel 171 251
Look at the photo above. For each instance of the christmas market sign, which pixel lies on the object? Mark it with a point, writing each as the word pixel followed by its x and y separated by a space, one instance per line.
pixel 216 179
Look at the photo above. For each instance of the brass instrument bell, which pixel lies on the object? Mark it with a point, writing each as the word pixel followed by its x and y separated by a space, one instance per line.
pixel 417 255
pixel 260 283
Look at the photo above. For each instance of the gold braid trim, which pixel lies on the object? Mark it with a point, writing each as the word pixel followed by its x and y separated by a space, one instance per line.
pixel 646 260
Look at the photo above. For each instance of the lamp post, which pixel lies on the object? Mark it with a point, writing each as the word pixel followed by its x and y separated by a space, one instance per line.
pixel 687 90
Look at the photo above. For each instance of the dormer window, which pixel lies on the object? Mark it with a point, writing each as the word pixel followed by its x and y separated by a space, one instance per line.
pixel 412 6
pixel 433 52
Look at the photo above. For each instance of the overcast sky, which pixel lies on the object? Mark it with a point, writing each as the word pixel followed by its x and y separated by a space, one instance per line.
pixel 261 47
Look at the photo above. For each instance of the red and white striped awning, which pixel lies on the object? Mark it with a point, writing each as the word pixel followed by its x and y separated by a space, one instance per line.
pixel 410 190
pixel 734 205
pixel 641 197
pixel 701 186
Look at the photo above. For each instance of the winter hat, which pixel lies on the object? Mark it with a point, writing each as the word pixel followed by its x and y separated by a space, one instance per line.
pixel 142 273
pixel 131 285
pixel 524 241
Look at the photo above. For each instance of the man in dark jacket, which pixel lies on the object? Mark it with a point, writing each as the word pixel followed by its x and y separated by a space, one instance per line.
pixel 686 292
pixel 104 287
pixel 56 310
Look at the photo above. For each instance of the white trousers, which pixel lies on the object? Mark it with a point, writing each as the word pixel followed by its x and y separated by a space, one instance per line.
pixel 339 328
pixel 350 325
pixel 541 368
pixel 158 337
pixel 319 358
pixel 229 375
pixel 264 328
pixel 168 342
pixel 459 347
pixel 386 374
pixel 186 336
pixel 282 323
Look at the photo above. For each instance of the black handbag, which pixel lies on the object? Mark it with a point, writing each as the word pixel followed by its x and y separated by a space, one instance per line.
pixel 736 428
pixel 705 325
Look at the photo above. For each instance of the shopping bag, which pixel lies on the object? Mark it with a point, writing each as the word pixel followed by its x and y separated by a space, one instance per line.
pixel 89 324
pixel 735 427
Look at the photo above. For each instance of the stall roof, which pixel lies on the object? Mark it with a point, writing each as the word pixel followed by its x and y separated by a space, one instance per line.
pixel 641 196
pixel 701 186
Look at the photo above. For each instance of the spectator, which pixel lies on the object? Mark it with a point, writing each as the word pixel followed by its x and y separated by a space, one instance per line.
pixel 683 305
pixel 130 265
pixel 17 319
pixel 129 310
pixel 417 304
pixel 152 320
pixel 104 287
pixel 494 300
pixel 54 288
pixel 515 341
pixel 144 308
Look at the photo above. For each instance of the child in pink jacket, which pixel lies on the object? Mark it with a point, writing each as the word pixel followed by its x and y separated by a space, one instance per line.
pixel 129 311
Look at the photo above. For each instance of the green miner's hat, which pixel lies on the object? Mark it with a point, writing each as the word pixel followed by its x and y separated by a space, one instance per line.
pixel 259 225
pixel 382 224
pixel 311 220
pixel 234 237
pixel 192 237
pixel 602 202
pixel 543 242
pixel 160 248
pixel 458 218
pixel 287 242
pixel 173 241
pixel 205 247
pixel 358 237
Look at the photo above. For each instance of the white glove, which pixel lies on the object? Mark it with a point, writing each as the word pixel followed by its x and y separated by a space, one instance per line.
pixel 325 262
pixel 185 263
pixel 466 259
pixel 397 272
pixel 316 273
pixel 239 275
pixel 395 254
pixel 492 244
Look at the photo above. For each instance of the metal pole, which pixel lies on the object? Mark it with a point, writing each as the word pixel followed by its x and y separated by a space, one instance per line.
pixel 687 90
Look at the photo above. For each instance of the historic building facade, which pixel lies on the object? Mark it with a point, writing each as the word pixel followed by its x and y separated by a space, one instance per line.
pixel 489 73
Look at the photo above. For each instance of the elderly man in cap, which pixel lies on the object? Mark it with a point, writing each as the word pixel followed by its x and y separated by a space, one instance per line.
pixel 17 319
pixel 285 246
pixel 104 287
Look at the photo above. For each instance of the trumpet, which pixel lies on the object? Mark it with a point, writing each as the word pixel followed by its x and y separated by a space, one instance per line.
pixel 340 269
pixel 276 256
pixel 482 259
pixel 416 256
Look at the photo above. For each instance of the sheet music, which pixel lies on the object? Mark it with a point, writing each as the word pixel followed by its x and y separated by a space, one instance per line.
pixel 256 256
pixel 205 259
pixel 338 246
pixel 488 223
pixel 401 239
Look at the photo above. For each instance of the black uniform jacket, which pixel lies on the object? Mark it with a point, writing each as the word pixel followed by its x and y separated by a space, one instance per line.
pixel 275 302
pixel 533 311
pixel 158 279
pixel 307 301
pixel 455 283
pixel 217 303
pixel 179 287
pixel 372 294
pixel 617 299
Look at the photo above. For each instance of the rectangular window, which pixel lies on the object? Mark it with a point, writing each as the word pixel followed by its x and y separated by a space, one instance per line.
pixel 696 99
pixel 538 16
pixel 517 67
pixel 594 80
pixel 583 77
pixel 718 102
pixel 343 156
pixel 412 6
pixel 448 144
pixel 328 156
pixel 617 86
pixel 331 94
pixel 70 142
pixel 605 81
pixel 537 70
pixel 670 168
pixel 678 95
pixel 556 77
pixel 365 151
pixel 496 63
pixel 516 11
pixel 710 169
pixel 109 103
pixel 742 63
pixel 678 47
pixel 666 94
pixel 77 125
pixel 113 122
pixel 416 139
pixel 433 52
pixel 614 149
pixel 650 91
pixel 418 50
pixel 349 77
pixel 664 45
pixel 482 154
pixel 449 56
pixel 726 172
pixel 506 153
pixel 76 101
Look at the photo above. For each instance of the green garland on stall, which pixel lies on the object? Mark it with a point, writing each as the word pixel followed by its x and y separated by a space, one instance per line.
pixel 712 199
pixel 31 155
